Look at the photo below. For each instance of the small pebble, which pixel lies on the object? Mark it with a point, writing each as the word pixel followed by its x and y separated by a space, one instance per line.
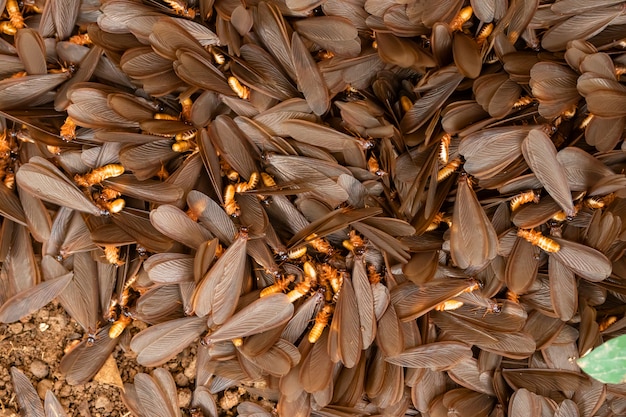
pixel 181 379
pixel 43 386
pixel 16 328
pixel 184 397
pixel 66 391
pixel 229 400
pixel 103 402
pixel 39 369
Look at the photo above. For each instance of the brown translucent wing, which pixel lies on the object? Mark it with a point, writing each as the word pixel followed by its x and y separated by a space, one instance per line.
pixel 525 403
pixel 496 93
pixel 545 380
pixel 563 289
pixel 160 304
pixel 234 146
pixel 81 363
pixel 473 240
pixel 274 32
pixel 488 151
pixel 10 206
pixel 80 297
pixel 517 17
pixel 332 33
pixel 584 261
pixel 145 160
pixel 219 290
pixel 344 337
pixel 212 216
pixel 540 155
pixel 142 62
pixel 211 162
pixel 310 81
pixel 249 409
pixel 467 373
pixel 203 399
pixel 554 86
pixel 198 71
pixel 37 217
pixel 327 138
pixel 32 299
pixel 467 57
pixel 32 51
pixel 316 367
pixel 152 397
pixel 19 92
pixel 521 267
pixel 90 107
pixel 64 15
pixel 52 406
pixel 604 133
pixel 262 73
pixel 440 86
pixel 170 267
pixel 580 26
pixel 438 356
pixel 261 315
pixel 474 403
pixel 148 190
pixel 174 223
pixel 27 397
pixel 412 301
pixel 365 302
pixel 168 37
pixel 137 223
pixel 543 329
pixel 159 343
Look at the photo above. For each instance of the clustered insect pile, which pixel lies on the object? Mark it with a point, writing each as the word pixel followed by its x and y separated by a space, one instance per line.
pixel 352 207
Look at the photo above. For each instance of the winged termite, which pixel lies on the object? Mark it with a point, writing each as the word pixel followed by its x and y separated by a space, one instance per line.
pixel 81 363
pixel 555 88
pixel 150 392
pixel 261 315
pixel 32 299
pixel 537 239
pixel 44 180
pixel 27 396
pixel 31 89
pixel 219 290
pixel 465 250
pixel 310 80
pixel 154 345
pixel 438 88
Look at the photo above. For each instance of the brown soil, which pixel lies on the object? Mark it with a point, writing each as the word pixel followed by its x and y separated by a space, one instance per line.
pixel 36 343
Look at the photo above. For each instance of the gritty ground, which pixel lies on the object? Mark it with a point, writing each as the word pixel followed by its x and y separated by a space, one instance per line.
pixel 35 345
